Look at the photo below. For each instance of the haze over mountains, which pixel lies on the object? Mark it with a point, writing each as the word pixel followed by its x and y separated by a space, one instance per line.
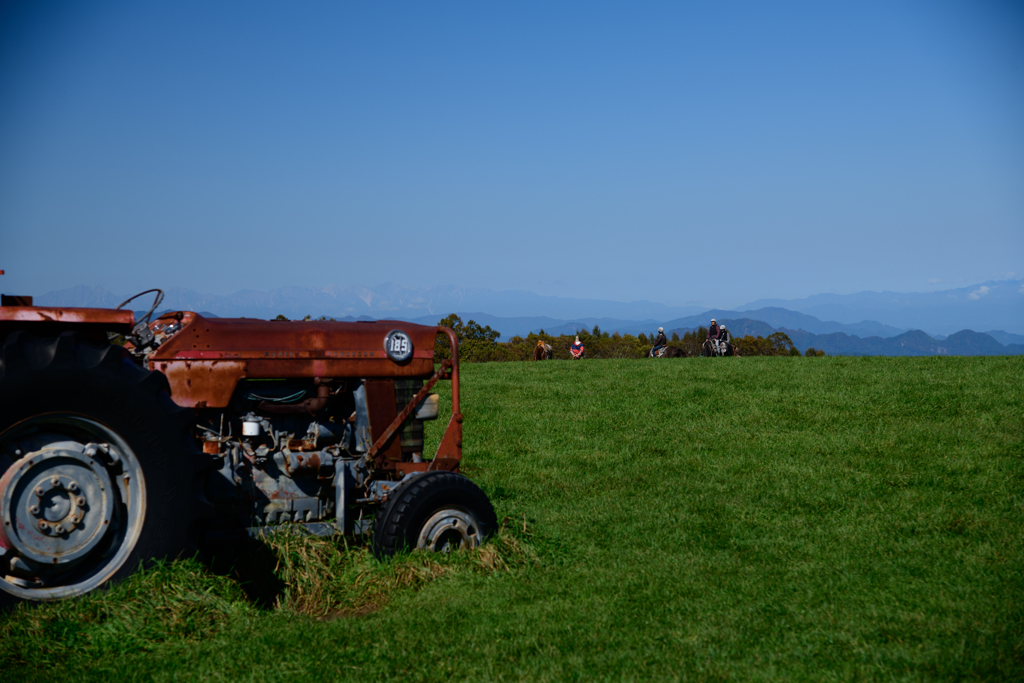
pixel 910 343
pixel 990 305
pixel 854 323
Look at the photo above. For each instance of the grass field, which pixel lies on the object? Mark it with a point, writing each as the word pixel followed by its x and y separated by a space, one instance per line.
pixel 700 519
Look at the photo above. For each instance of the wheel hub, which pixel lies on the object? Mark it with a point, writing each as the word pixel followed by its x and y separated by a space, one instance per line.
pixel 56 504
pixel 448 530
pixel 72 506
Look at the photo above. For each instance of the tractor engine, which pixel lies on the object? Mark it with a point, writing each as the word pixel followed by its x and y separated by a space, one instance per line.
pixel 296 452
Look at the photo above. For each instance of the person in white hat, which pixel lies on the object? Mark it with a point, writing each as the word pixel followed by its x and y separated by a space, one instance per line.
pixel 576 349
pixel 713 334
pixel 724 339
pixel 660 342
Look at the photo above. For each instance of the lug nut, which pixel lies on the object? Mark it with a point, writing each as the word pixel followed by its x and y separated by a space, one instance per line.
pixel 73 487
pixel 43 526
pixel 54 481
pixel 34 510
pixel 80 502
pixel 59 529
pixel 39 491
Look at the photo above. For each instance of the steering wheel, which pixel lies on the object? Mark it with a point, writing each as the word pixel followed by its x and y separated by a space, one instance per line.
pixel 140 335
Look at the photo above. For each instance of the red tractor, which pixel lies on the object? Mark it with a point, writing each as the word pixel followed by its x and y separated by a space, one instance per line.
pixel 197 430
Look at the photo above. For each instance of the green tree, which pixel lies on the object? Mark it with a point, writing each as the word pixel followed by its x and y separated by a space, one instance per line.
pixel 781 344
pixel 473 338
pixel 693 340
pixel 775 344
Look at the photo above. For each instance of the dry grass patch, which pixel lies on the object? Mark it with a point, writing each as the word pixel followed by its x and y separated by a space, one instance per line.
pixel 329 577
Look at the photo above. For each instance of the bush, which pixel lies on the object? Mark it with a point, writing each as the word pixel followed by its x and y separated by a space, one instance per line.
pixel 692 341
pixel 473 339
pixel 775 344
pixel 479 344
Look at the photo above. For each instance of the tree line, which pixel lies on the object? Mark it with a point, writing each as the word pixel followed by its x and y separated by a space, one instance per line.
pixel 480 343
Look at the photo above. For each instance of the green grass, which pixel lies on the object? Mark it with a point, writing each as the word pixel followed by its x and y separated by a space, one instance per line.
pixel 750 518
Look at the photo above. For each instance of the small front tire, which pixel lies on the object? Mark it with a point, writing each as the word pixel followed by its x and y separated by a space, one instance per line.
pixel 436 511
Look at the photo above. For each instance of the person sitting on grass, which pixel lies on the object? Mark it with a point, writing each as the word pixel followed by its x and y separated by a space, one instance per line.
pixel 576 349
pixel 660 342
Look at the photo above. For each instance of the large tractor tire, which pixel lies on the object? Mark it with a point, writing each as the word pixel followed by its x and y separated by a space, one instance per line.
pixel 436 511
pixel 98 470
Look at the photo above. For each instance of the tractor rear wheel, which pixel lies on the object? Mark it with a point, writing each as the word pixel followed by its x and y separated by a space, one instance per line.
pixel 436 511
pixel 99 470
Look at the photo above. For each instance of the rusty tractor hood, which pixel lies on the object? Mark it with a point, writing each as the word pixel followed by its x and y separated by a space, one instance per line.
pixel 204 358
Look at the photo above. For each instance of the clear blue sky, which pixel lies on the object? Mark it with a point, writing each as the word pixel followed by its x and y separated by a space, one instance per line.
pixel 709 153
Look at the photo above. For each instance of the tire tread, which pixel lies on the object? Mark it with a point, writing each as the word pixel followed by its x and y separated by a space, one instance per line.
pixel 395 527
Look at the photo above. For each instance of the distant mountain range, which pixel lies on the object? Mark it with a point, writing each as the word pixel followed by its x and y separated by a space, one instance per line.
pixel 869 323
pixel 783 318
pixel 911 343
pixel 991 305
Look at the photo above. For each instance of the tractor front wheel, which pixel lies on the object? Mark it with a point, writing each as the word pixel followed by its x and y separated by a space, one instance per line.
pixel 436 511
